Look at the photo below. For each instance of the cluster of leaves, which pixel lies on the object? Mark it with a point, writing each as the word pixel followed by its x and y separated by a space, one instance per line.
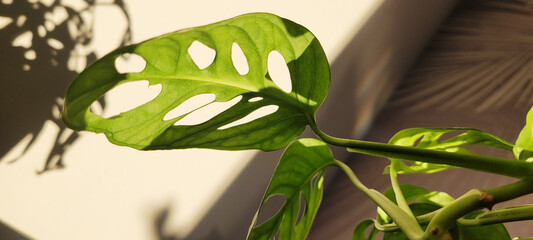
pixel 405 211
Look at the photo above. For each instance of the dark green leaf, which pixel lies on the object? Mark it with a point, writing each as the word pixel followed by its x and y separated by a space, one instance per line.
pixel 359 233
pixel 429 138
pixel 299 172
pixel 168 63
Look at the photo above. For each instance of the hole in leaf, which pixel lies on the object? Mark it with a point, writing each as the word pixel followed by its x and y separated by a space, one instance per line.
pixel 255 99
pixel 206 113
pixel 190 105
pixel 239 59
pixel 258 113
pixel 303 205
pixel 130 63
pixel 278 71
pixel 201 54
pixel 97 108
pixel 450 134
pixel 269 209
pixel 316 177
pixel 127 96
pixel 418 140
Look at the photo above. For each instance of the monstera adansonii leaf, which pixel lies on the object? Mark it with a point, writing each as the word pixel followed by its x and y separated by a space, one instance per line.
pixel 168 63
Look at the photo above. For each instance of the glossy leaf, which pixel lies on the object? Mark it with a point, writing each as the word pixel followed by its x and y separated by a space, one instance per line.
pixel 299 172
pixel 523 149
pixel 169 63
pixel 430 138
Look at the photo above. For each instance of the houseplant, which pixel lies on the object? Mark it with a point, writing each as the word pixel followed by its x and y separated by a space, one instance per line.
pixel 405 211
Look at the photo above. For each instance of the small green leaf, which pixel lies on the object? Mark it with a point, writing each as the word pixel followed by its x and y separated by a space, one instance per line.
pixel 429 138
pixel 523 149
pixel 359 233
pixel 169 63
pixel 299 172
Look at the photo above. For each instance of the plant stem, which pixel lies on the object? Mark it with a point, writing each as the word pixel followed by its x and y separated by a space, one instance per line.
pixel 475 199
pixel 517 169
pixel 405 222
pixel 398 194
pixel 510 214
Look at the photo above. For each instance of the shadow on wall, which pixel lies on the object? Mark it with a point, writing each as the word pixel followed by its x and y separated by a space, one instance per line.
pixel 44 45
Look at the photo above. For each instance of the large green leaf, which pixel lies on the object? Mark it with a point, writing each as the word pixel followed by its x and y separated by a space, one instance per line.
pixel 430 138
pixel 299 173
pixel 168 63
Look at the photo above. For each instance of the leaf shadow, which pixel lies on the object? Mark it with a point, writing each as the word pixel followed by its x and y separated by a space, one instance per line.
pixel 41 54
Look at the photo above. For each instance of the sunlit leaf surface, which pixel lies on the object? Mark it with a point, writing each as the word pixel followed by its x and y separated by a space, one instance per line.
pixel 169 62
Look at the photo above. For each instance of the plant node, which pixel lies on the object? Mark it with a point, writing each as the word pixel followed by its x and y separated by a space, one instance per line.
pixel 435 231
pixel 487 200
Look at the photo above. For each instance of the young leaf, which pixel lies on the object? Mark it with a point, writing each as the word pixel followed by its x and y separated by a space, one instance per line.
pixel 299 172
pixel 169 63
pixel 523 149
pixel 429 138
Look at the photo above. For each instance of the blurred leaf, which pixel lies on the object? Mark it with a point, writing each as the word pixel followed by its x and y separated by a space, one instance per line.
pixel 430 138
pixel 523 149
pixel 168 63
pixel 299 172
pixel 359 233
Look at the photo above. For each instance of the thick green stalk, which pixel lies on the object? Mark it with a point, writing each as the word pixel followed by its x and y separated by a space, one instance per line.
pixel 512 168
pixel 510 214
pixel 439 226
pixel 476 199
